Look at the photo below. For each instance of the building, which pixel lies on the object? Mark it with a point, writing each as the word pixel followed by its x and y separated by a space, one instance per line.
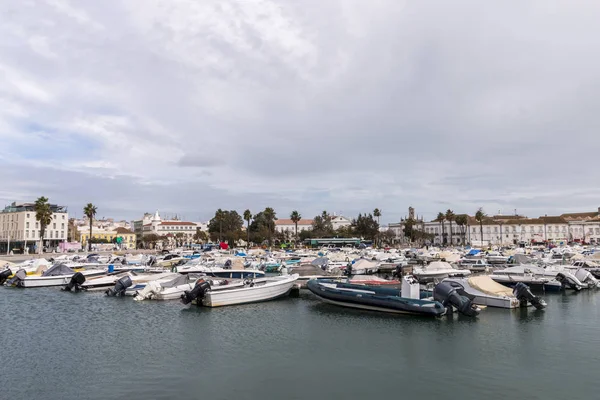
pixel 138 226
pixel 339 221
pixel 183 231
pixel 20 231
pixel 123 238
pixel 288 226
pixel 512 229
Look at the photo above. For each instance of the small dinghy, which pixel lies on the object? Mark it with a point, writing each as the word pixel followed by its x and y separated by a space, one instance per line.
pixel 57 275
pixel 377 298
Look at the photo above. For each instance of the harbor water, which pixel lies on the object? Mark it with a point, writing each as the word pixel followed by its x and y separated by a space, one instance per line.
pixel 58 345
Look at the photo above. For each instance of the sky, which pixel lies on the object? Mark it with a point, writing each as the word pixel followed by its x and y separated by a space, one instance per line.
pixel 186 106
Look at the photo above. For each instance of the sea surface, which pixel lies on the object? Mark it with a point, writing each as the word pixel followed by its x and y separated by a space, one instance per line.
pixel 57 345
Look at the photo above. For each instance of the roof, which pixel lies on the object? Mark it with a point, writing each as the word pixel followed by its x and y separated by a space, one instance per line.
pixel 172 223
pixel 123 231
pixel 581 216
pixel 290 222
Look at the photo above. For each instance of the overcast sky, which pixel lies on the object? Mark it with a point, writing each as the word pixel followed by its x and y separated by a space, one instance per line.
pixel 186 106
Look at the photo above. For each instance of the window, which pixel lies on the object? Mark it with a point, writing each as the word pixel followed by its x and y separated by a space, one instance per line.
pixel 27 225
pixel 597 231
pixel 27 234
pixel 62 226
pixel 51 234
pixel 495 229
pixel 62 234
pixel 27 215
pixel 63 216
pixel 591 231
pixel 531 229
pixel 37 225
pixel 54 225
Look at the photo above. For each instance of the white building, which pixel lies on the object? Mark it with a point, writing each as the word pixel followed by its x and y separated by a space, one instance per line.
pixel 339 221
pixel 287 225
pixel 170 228
pixel 19 229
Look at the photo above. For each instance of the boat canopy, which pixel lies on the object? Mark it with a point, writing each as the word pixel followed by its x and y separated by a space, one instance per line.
pixel 473 252
pixel 320 261
pixel 58 269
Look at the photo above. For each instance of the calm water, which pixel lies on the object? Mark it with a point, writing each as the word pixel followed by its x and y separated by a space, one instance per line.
pixel 59 345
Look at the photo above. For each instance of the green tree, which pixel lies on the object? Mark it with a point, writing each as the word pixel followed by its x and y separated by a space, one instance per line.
pixel 43 213
pixel 247 218
pixel 462 221
pixel 409 229
pixel 365 226
pixel 295 217
pixel 179 239
pixel 377 214
pixel 226 225
pixel 90 211
pixel 441 217
pixel 450 218
pixel 270 216
pixel 200 236
pixel 479 217
pixel 322 226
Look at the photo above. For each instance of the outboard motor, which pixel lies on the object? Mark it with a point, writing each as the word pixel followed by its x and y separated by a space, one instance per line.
pixel 18 278
pixel 524 295
pixel 4 275
pixel 348 270
pixel 397 272
pixel 227 264
pixel 567 281
pixel 446 294
pixel 586 277
pixel 75 283
pixel 120 287
pixel 197 293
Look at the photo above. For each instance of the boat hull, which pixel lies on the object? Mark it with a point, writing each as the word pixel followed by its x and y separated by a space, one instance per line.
pixel 259 293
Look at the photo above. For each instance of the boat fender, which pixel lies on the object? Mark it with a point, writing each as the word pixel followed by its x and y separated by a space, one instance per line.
pixel 197 293
pixel 4 275
pixel 75 283
pixel 524 295
pixel 17 280
pixel 120 287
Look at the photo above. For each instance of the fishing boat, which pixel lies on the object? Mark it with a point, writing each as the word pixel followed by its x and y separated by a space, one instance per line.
pixel 57 275
pixel 377 298
pixel 252 291
pixel 484 291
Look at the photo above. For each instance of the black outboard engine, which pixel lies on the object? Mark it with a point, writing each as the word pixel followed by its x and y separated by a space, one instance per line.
pixel 397 272
pixel 446 294
pixel 4 275
pixel 18 278
pixel 348 270
pixel 567 282
pixel 197 293
pixel 75 283
pixel 227 264
pixel 524 295
pixel 120 287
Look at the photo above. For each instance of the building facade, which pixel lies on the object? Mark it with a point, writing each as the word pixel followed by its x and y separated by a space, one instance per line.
pixel 288 226
pixel 123 238
pixel 21 232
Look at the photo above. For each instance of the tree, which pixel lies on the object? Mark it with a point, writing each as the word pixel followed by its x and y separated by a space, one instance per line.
pixel 365 226
pixel 479 217
pixel 462 221
pixel 440 218
pixel 377 214
pixel 388 236
pixel 270 216
pixel 322 226
pixel 90 211
pixel 150 240
pixel 200 236
pixel 450 218
pixel 295 217
pixel 43 213
pixel 179 237
pixel 247 218
pixel 226 225
pixel 409 229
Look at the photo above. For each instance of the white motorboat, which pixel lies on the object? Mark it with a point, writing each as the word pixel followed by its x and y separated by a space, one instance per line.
pixel 267 289
pixel 57 275
pixel 437 270
pixel 484 291
pixel 362 267
pixel 494 257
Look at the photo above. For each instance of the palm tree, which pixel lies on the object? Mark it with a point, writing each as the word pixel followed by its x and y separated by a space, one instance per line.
pixel 90 212
pixel 247 218
pixel 295 217
pixel 440 218
pixel 43 213
pixel 461 220
pixel 377 214
pixel 270 216
pixel 479 216
pixel 450 217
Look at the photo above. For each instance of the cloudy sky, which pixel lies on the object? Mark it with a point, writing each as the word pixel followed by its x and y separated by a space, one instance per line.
pixel 345 105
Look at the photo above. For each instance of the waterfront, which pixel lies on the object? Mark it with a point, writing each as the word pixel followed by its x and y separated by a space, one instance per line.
pixel 85 345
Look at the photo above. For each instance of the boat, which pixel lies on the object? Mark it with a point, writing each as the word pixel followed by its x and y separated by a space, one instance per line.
pixel 474 264
pixel 484 291
pixel 437 270
pixel 266 289
pixel 531 275
pixel 362 267
pixel 494 257
pixel 377 298
pixel 57 275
